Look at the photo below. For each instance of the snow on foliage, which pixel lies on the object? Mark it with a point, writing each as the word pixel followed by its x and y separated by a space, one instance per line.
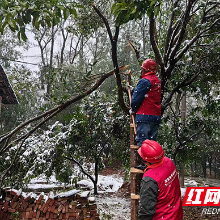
pixel 86 135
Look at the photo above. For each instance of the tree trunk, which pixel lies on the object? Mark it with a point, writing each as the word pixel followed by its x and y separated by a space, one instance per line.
pixel 203 163
pixel 51 62
pixel 181 174
pixel 143 36
pixel 96 176
pixel 183 118
pixel 195 170
pixel 63 45
pixel 215 168
pixel 210 165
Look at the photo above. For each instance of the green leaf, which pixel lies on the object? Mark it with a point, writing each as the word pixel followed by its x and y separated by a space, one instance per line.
pixel 48 21
pixel 42 23
pixel 58 12
pixel 156 10
pixel 12 25
pixel 35 22
pixel 23 35
pixel 23 3
pixel 149 11
pixel 56 20
pixel 19 35
pixel 73 11
pixel 123 4
pixel 152 3
pixel 115 9
pixel 66 13
pixel 61 7
pixel 26 18
pixel 3 27
pixel 133 11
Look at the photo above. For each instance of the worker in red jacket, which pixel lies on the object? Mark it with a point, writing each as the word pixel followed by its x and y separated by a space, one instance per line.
pixel 160 195
pixel 145 103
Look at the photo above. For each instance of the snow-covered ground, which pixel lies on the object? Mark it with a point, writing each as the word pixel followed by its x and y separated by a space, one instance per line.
pixel 113 207
pixel 111 204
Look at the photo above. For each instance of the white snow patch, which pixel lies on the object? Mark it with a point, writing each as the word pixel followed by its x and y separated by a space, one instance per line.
pixel 87 183
pixel 85 194
pixel 110 183
pixel 68 193
pixel 105 183
pixel 44 186
pixel 92 199
pixel 183 192
pixel 18 192
pixel 43 179
pixel 190 183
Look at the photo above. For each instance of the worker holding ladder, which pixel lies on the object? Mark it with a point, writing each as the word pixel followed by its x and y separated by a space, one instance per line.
pixel 160 195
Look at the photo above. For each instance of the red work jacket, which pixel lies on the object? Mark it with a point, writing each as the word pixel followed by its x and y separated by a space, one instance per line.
pixel 151 104
pixel 169 206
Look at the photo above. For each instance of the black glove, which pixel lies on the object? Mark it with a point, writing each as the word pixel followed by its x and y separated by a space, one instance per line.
pixel 141 167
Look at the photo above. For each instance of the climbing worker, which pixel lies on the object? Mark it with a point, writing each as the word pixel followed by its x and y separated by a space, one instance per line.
pixel 160 195
pixel 145 103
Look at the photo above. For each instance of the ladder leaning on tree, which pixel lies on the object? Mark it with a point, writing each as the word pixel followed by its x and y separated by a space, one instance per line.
pixel 135 174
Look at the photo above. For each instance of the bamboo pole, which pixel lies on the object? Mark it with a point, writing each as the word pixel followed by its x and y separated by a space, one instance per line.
pixel 129 95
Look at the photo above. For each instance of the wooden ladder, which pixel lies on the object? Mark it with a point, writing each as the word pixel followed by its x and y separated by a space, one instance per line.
pixel 135 159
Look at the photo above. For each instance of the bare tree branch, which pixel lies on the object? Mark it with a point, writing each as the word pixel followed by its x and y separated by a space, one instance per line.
pixel 137 52
pixel 183 30
pixel 81 168
pixel 114 58
pixel 176 127
pixel 185 49
pixel 154 43
pixel 170 30
pixel 182 84
pixel 211 26
pixel 63 45
pixel 183 144
pixel 75 49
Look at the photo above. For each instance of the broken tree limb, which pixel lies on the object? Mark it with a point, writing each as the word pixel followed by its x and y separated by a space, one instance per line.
pixel 5 140
pixel 51 113
pixel 137 52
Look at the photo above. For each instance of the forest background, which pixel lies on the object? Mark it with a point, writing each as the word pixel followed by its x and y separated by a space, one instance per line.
pixel 73 108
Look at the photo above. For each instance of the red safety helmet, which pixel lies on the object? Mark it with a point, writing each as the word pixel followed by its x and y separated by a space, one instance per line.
pixel 149 65
pixel 151 151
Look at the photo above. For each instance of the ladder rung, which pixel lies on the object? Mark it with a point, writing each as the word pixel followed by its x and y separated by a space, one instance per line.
pixel 133 196
pixel 135 147
pixel 134 170
pixel 132 125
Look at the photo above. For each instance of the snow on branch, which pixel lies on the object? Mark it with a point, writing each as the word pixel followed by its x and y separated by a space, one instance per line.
pixel 5 139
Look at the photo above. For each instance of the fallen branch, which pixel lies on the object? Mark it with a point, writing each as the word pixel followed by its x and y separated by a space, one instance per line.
pixel 49 114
